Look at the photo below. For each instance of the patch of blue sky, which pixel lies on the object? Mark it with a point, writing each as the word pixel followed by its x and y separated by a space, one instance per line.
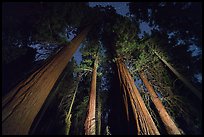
pixel 120 7
pixel 198 77
pixel 71 35
pixel 78 55
pixel 180 42
pixel 171 34
pixel 138 82
pixel 158 94
pixel 162 4
pixel 145 28
pixel 195 50
pixel 43 51
pixel 149 12
pixel 104 83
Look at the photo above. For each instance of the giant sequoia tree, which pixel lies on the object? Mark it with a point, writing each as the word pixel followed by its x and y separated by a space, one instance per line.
pixel 169 123
pixel 91 62
pixel 141 87
pixel 16 102
pixel 18 105
pixel 90 124
pixel 124 35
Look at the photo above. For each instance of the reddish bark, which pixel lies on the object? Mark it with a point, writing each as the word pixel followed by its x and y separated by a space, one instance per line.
pixel 144 122
pixel 21 105
pixel 166 119
pixel 90 123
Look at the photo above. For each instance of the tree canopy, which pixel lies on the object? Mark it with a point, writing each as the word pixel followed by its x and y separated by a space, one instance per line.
pixel 114 40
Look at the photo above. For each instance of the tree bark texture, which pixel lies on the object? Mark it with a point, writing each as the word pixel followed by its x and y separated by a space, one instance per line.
pixel 169 124
pixel 144 122
pixel 90 122
pixel 21 105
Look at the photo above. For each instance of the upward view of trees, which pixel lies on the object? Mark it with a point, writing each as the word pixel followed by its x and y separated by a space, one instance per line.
pixel 108 79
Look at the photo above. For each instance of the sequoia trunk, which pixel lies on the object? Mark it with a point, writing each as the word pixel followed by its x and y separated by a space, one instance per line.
pixel 166 119
pixel 144 122
pixel 90 123
pixel 21 105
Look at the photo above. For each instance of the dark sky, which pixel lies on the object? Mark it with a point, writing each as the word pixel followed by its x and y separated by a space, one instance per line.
pixel 121 7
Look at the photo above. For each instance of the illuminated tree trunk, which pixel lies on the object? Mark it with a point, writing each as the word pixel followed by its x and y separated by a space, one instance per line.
pixel 21 105
pixel 144 122
pixel 98 114
pixel 166 119
pixel 46 105
pixel 68 114
pixel 90 123
pixel 184 80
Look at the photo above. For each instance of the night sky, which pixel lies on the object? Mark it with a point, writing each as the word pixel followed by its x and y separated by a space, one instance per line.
pixel 122 8
pixel 44 51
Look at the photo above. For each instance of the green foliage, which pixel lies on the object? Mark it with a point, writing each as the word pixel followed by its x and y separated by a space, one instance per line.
pixel 24 23
pixel 89 53
pixel 79 116
pixel 41 22
pixel 125 35
pixel 170 16
pixel 142 61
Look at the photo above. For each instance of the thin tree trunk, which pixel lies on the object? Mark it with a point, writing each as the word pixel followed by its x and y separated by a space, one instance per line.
pixel 144 122
pixel 69 115
pixel 90 123
pixel 21 105
pixel 98 121
pixel 184 80
pixel 166 119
